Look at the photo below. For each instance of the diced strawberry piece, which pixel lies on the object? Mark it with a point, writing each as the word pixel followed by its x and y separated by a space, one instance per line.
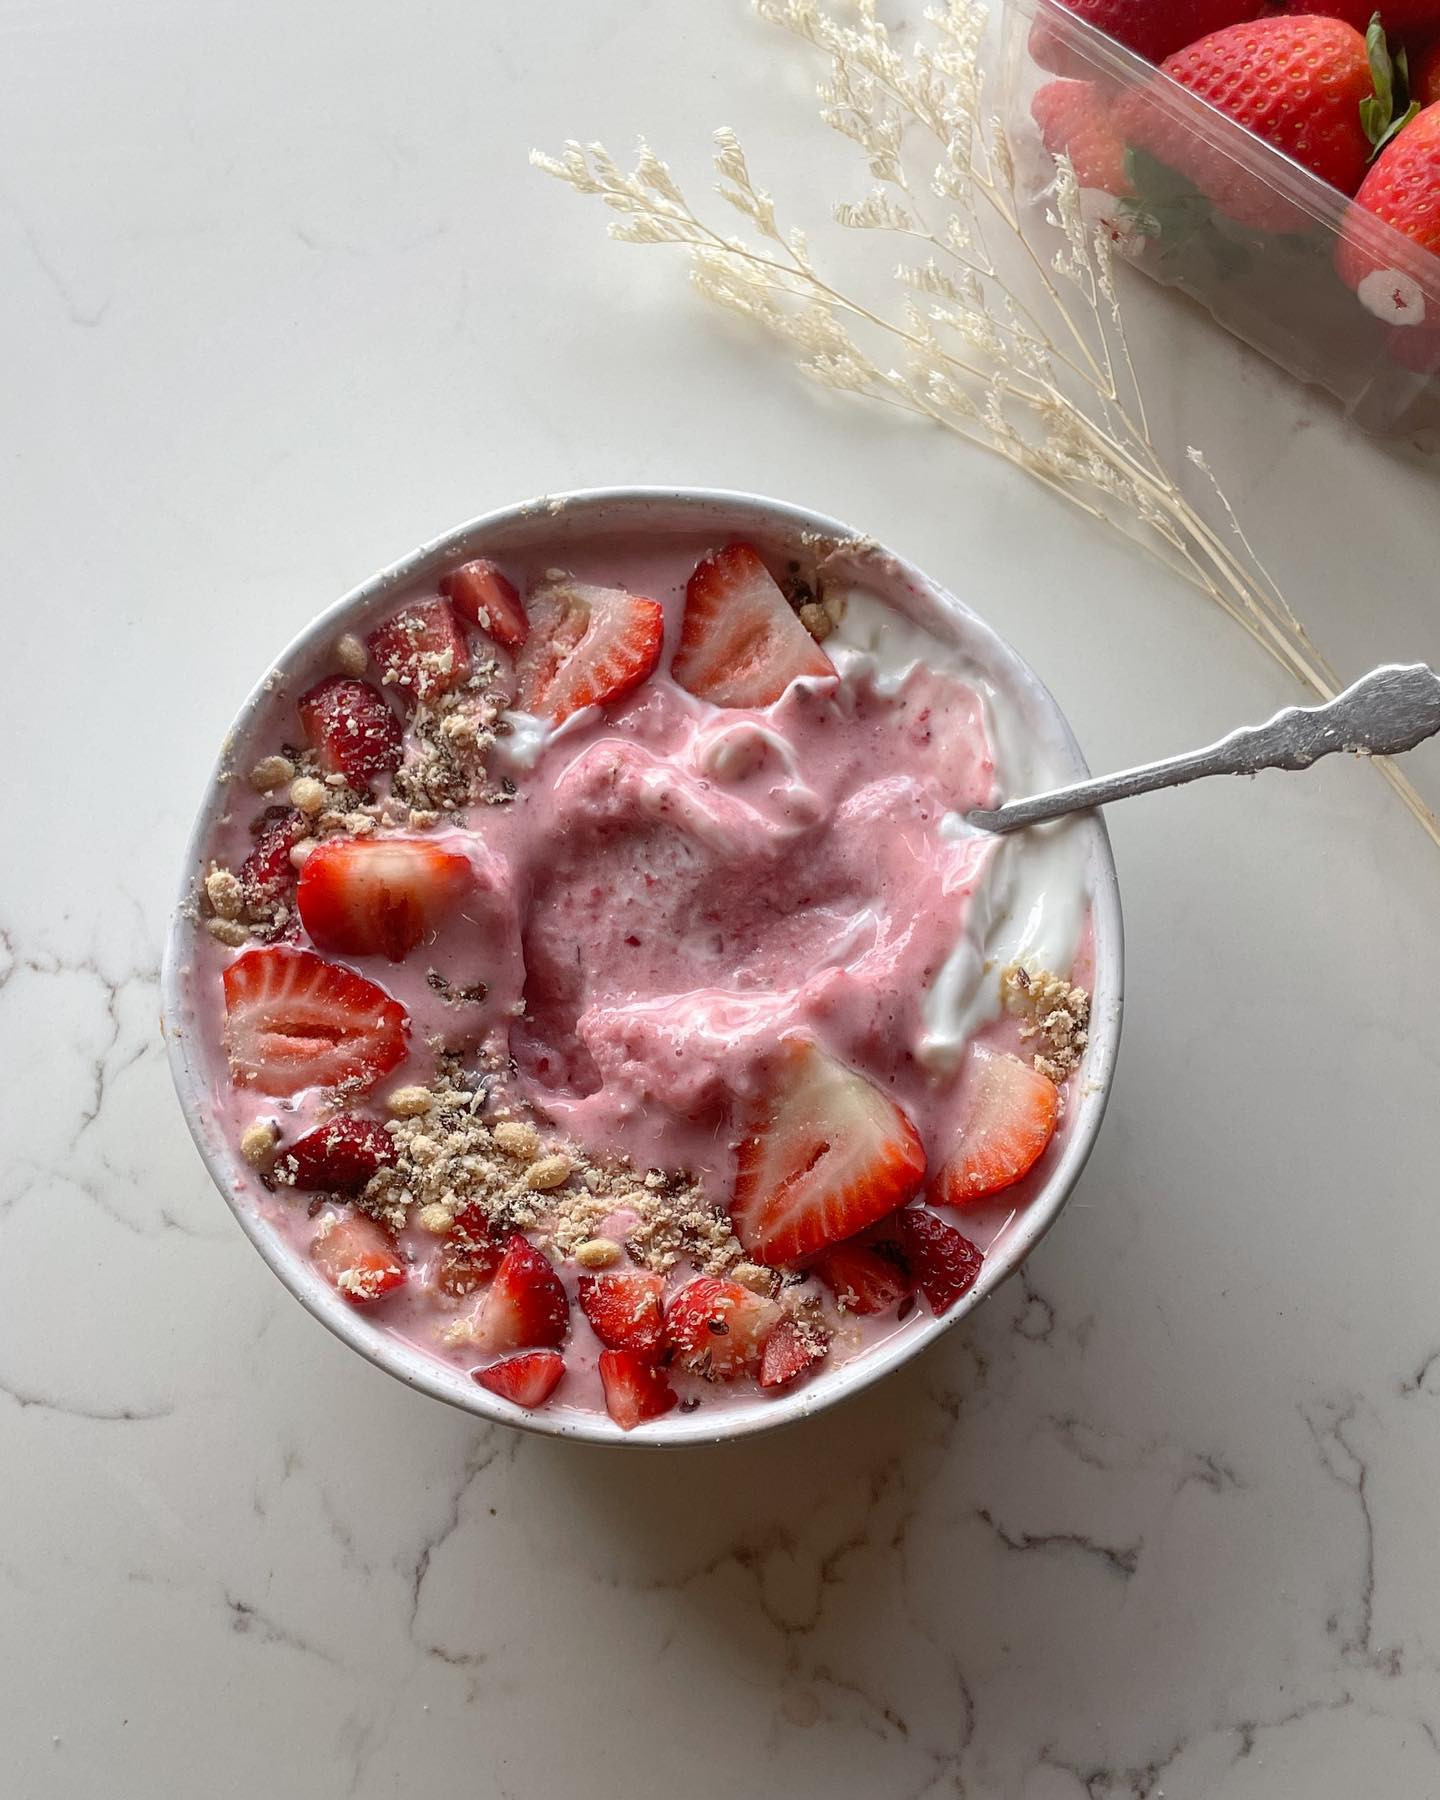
pixel 587 645
pixel 357 1256
pixel 526 1304
pixel 862 1280
pixel 943 1263
pixel 789 1351
pixel 716 1328
pixel 527 1380
pixel 740 643
pixel 293 1021
pixel 267 875
pixel 624 1308
pixel 469 1254
pixel 1010 1114
pixel 379 896
pixel 422 650
pixel 351 729
pixel 635 1389
pixel 340 1156
pixel 825 1156
pixel 481 594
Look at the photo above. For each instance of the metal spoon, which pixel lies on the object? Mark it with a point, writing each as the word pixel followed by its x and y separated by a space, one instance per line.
pixel 1390 710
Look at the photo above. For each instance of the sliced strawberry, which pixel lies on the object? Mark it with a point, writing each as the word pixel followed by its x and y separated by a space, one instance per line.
pixel 422 650
pixel 943 1263
pixel 635 1389
pixel 740 644
pixel 790 1350
pixel 351 729
pixel 862 1280
pixel 1010 1114
pixel 338 1157
pixel 357 1256
pixel 293 1020
pixel 624 1308
pixel 481 594
pixel 824 1157
pixel 586 645
pixel 267 875
pixel 526 1304
pixel 379 896
pixel 527 1380
pixel 716 1328
pixel 469 1255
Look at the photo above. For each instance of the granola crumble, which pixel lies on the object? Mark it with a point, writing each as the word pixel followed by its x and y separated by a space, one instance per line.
pixel 1052 1011
pixel 272 772
pixel 453 733
pixel 450 1159
pixel 351 654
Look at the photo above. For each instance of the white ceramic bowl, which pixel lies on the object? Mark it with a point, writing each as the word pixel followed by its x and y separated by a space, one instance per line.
pixel 552 522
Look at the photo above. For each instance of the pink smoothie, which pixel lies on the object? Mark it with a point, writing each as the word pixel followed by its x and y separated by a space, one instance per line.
pixel 672 889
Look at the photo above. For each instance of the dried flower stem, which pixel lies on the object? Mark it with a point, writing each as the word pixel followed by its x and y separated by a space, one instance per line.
pixel 1033 366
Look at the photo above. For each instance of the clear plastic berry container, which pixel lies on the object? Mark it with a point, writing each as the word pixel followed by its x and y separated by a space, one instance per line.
pixel 1261 243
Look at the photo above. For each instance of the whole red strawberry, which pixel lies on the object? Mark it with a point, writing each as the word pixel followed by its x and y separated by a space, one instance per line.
pixel 1403 189
pixel 1153 29
pixel 1296 82
pixel 1396 15
pixel 1075 120
pixel 1425 75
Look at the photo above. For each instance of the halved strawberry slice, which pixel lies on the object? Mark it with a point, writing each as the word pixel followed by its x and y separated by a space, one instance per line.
pixel 469 1255
pixel 351 729
pixel 339 1156
pixel 740 644
pixel 527 1380
pixel 1010 1114
pixel 944 1263
pixel 293 1021
pixel 862 1280
pixel 635 1389
pixel 481 594
pixel 422 650
pixel 357 1256
pixel 267 875
pixel 789 1351
pixel 624 1308
pixel 716 1328
pixel 586 645
pixel 526 1303
pixel 824 1157
pixel 379 896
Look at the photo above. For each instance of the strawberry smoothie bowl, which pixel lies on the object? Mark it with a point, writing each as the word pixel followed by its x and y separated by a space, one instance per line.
pixel 588 992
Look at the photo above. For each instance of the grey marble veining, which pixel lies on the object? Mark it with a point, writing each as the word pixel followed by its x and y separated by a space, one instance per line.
pixel 281 300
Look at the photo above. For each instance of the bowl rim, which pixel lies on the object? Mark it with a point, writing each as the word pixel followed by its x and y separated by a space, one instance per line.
pixel 408 1363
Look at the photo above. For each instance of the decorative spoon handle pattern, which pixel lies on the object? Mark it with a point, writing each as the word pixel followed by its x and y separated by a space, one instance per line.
pixel 1388 711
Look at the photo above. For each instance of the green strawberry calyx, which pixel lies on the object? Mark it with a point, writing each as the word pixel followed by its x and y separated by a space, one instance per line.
pixel 1387 111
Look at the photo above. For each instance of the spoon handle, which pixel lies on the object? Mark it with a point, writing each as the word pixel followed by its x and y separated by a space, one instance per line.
pixel 1390 710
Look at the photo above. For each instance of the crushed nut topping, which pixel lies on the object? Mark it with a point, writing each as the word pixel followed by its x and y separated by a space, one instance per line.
pixel 1052 1011
pixel 258 1141
pixel 410 1102
pixel 450 1158
pixel 271 772
pixel 517 1140
pixel 307 795
pixel 225 894
pixel 351 654
pixel 597 1253
pixel 452 735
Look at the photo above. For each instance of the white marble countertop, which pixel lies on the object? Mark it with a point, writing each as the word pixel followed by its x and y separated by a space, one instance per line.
pixel 281 298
